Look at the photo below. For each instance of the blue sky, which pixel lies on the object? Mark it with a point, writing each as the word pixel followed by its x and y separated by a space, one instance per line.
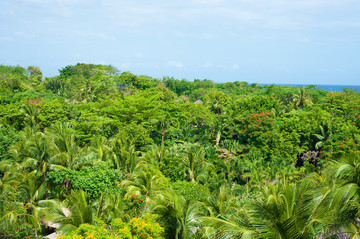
pixel 262 41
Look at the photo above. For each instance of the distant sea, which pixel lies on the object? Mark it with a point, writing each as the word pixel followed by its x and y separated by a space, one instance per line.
pixel 337 88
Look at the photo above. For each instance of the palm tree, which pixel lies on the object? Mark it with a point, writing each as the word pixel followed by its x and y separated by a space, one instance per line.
pixel 220 204
pixel 195 167
pixel 303 98
pixel 13 174
pixel 26 185
pixel 145 180
pixel 31 119
pixel 109 206
pixel 123 153
pixel 67 219
pixel 68 151
pixel 36 153
pixel 32 189
pixel 216 101
pixel 162 124
pixel 284 211
pixel 228 227
pixel 345 197
pixel 326 133
pixel 155 155
pixel 176 215
pixel 184 131
pixel 289 101
pixel 13 220
pixel 220 125
pixel 99 145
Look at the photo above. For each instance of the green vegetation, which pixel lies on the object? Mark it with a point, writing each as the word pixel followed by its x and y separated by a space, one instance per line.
pixel 98 153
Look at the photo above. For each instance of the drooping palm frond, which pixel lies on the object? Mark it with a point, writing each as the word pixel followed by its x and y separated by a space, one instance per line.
pixel 67 219
pixel 155 155
pixel 123 153
pixel 195 167
pixel 32 190
pixel 145 180
pixel 176 215
pixel 8 220
pixel 283 210
pixel 221 204
pixel 13 174
pixel 229 227
pixel 109 206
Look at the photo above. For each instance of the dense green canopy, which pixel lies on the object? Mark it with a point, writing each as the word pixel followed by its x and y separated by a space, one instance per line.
pixel 109 154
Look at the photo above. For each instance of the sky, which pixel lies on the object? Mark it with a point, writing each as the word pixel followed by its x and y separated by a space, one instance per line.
pixel 258 41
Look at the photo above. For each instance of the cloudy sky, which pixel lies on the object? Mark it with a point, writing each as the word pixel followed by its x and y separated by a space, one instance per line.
pixel 262 41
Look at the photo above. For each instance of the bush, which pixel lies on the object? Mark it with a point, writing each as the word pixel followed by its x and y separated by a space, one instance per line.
pixel 137 228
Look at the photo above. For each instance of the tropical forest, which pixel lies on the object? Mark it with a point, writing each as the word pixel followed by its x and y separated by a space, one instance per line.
pixel 95 152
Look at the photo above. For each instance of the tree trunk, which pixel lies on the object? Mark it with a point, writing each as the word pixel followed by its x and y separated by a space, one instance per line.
pixel 162 136
pixel 218 136
pixel 46 192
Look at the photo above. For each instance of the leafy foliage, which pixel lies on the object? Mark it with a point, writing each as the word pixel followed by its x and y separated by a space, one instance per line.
pixel 96 153
pixel 93 180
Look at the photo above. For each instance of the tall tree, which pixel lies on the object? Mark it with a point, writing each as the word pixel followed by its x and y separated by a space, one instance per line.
pixel 176 215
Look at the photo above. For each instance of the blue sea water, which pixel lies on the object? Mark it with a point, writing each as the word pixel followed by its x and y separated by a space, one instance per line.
pixel 337 88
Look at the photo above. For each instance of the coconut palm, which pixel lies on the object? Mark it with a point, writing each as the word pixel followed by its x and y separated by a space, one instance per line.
pixel 345 197
pixel 13 174
pixel 36 153
pixel 176 215
pixel 31 113
pixel 333 211
pixel 145 180
pixel 109 206
pixel 68 152
pixel 284 211
pixel 162 124
pixel 221 122
pixel 67 217
pixel 303 98
pixel 289 102
pixel 12 220
pixel 228 227
pixel 195 166
pixel 123 153
pixel 216 101
pixel 32 189
pixel 220 204
pixel 28 191
pixel 155 155
pixel 99 145
pixel 325 134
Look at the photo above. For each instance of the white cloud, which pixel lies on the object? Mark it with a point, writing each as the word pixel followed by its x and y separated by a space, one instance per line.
pixel 209 2
pixel 213 17
pixel 183 35
pixel 207 65
pixel 91 34
pixel 175 64
pixel 104 36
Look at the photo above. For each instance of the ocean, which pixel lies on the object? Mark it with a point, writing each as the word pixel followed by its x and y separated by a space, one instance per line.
pixel 337 88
